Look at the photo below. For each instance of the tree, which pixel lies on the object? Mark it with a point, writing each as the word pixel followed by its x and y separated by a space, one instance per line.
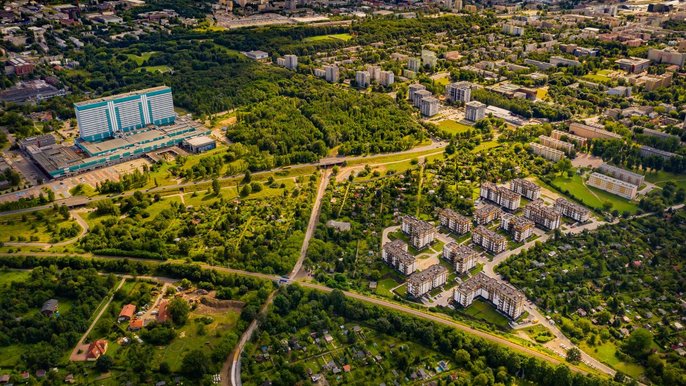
pixel 195 364
pixel 178 311
pixel 104 363
pixel 245 191
pixel 216 188
pixel 573 355
pixel 638 343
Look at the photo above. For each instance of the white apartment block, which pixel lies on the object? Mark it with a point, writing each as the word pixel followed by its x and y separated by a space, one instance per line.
pixel 612 185
pixel 569 137
pixel 556 144
pixel 475 111
pixel 454 221
pixel 487 213
pixel 362 78
pixel 504 297
pixel 387 78
pixel 418 95
pixel 332 73
pixel 526 188
pixel 622 174
pixel 413 89
pixel 421 232
pixel 520 227
pixel 587 131
pixel 511 29
pixel 489 240
pixel 462 257
pixel 544 216
pixel 458 92
pixel 500 195
pixel 546 152
pixel 374 72
pixel 395 254
pixel 420 283
pixel 429 106
pixel 572 210
pixel 414 64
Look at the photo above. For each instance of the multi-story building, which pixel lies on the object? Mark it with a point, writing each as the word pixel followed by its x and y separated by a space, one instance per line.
pixel 395 254
pixel 504 297
pixel 489 240
pixel 454 221
pixel 511 29
pixel 421 232
pixel 429 106
pixel 591 132
pixel 414 64
pixel 612 185
pixel 374 72
pixel 560 61
pixel 633 65
pixel 386 78
pixel 546 152
pixel 572 210
pixel 475 111
pixel 520 227
pixel 647 151
pixel 291 62
pixel 621 174
pixel 418 95
pixel 320 73
pixel 669 56
pixel 332 73
pixel 556 144
pixel 106 117
pixel 568 137
pixel 544 216
pixel 526 188
pixel 413 89
pixel 500 195
pixel 462 257
pixel 419 283
pixel 458 92
pixel 486 214
pixel 18 66
pixel 429 59
pixel 362 78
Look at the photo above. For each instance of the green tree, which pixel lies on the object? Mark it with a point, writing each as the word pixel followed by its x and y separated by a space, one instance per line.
pixel 638 343
pixel 573 355
pixel 195 364
pixel 216 188
pixel 104 363
pixel 178 311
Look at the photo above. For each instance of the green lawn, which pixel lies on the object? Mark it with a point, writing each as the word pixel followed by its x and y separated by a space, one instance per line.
pixel 660 178
pixel 161 69
pixel 606 354
pixel 452 127
pixel 597 78
pixel 384 287
pixel 485 146
pixel 590 196
pixel 344 37
pixel 37 225
pixel 484 311
pixel 140 59
pixel 6 277
pixel 539 333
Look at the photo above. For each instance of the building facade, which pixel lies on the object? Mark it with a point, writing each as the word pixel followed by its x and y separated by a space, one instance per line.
pixel 520 227
pixel 546 152
pixel 421 232
pixel 612 185
pixel 454 221
pixel 504 297
pixel 475 111
pixel 556 144
pixel 429 106
pixel 462 257
pixel 486 213
pixel 526 188
pixel 544 216
pixel 362 78
pixel 489 240
pixel 500 195
pixel 568 137
pixel 622 174
pixel 104 118
pixel 420 283
pixel 458 92
pixel 572 210
pixel 395 254
pixel 412 89
pixel 586 131
pixel 332 73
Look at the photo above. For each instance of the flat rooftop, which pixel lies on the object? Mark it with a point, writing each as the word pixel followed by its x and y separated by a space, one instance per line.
pixel 118 96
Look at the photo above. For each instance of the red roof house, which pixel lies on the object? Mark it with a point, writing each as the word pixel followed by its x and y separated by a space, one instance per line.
pixel 163 313
pixel 96 349
pixel 127 312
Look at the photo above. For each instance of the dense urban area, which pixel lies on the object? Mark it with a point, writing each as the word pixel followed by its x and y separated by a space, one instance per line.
pixel 333 192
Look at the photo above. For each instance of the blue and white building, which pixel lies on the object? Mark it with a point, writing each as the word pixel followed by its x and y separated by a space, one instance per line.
pixel 104 118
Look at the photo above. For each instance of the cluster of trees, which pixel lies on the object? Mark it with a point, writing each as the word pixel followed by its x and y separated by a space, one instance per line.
pixel 478 361
pixel 47 338
pixel 522 107
pixel 622 269
pixel 29 202
pixel 134 180
pixel 625 153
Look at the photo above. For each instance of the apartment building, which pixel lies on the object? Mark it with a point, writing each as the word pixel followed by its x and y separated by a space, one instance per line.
pixel 633 65
pixel 362 78
pixel 374 72
pixel 556 144
pixel 560 61
pixel 515 30
pixel 420 283
pixel 414 64
pixel 544 216
pixel 572 210
pixel 458 92
pixel 489 240
pixel 487 213
pixel 386 78
pixel 421 232
pixel 462 257
pixel 520 227
pixel 395 254
pixel 621 174
pixel 500 195
pixel 475 111
pixel 413 89
pixel 568 137
pixel 504 297
pixel 669 56
pixel 546 152
pixel 586 131
pixel 419 95
pixel 332 73
pixel 429 58
pixel 429 106
pixel 454 221
pixel 612 185
pixel 525 188
pixel 288 61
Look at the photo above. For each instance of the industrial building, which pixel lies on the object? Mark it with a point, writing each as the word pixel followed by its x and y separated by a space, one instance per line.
pixel 504 297
pixel 612 185
pixel 420 283
pixel 462 256
pixel 199 144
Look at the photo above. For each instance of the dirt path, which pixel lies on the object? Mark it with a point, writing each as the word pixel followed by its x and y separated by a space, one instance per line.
pixel 79 220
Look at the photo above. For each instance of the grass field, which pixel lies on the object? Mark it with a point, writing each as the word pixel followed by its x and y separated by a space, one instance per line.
pixel 606 354
pixel 24 227
pixel 6 277
pixel 344 37
pixel 384 287
pixel 592 197
pixel 485 311
pixel 160 69
pixel 381 159
pixel 485 146
pixel 452 127
pixel 140 59
pixel 539 333
pixel 660 178
pixel 597 78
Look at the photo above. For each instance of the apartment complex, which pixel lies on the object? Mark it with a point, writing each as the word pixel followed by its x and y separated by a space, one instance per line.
pixel 462 257
pixel 572 210
pixel 454 221
pixel 504 297
pixel 475 111
pixel 586 131
pixel 622 174
pixel 565 136
pixel 556 144
pixel 612 185
pixel 419 95
pixel 386 78
pixel 669 56
pixel 429 106
pixel 362 78
pixel 288 61
pixel 332 73
pixel 486 214
pixel 489 240
pixel 421 232
pixel 520 227
pixel 546 152
pixel 103 118
pixel 395 254
pixel 525 188
pixel 500 195
pixel 544 216
pixel 419 283
pixel 458 92
pixel 633 65
pixel 413 89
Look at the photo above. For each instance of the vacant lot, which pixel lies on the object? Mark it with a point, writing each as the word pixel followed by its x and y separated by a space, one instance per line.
pixel 344 37
pixel 452 127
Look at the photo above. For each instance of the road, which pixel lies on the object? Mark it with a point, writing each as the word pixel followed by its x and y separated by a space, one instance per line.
pixel 84 229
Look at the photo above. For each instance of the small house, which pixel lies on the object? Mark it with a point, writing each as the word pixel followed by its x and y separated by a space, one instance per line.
pixel 96 349
pixel 49 307
pixel 127 313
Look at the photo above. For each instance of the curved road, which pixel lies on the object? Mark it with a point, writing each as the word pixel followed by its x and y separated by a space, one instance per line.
pixel 84 229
